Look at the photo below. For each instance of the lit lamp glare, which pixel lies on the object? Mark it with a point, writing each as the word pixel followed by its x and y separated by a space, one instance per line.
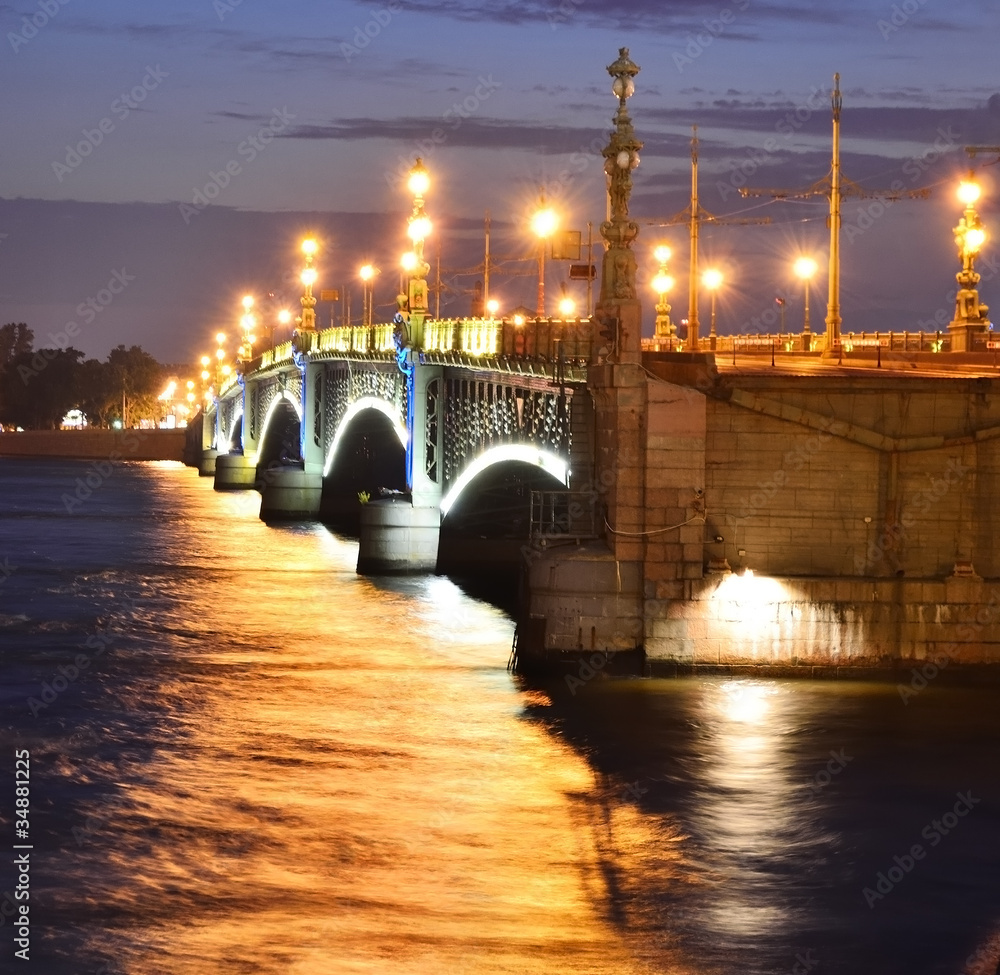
pixel 665 329
pixel 566 307
pixel 712 279
pixel 543 224
pixel 968 192
pixel 805 268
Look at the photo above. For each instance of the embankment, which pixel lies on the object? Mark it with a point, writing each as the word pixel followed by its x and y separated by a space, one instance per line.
pixel 95 444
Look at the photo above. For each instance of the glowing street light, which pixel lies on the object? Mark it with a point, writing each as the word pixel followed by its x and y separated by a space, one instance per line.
pixel 712 279
pixel 805 268
pixel 971 316
pixel 247 323
pixel 493 306
pixel 418 229
pixel 662 284
pixel 543 224
pixel 367 274
pixel 566 307
pixel 308 279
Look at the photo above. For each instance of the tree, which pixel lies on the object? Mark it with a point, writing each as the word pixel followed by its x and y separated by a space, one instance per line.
pixel 97 394
pixel 136 377
pixel 40 388
pixel 15 339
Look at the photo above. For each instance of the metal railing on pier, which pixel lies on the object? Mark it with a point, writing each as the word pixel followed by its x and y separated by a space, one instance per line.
pixel 564 516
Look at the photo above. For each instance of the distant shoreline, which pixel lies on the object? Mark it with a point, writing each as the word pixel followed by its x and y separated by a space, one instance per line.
pixel 95 444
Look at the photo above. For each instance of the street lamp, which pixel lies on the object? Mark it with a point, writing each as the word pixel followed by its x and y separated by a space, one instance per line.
pixel 493 306
pixel 247 323
pixel 367 274
pixel 566 307
pixel 308 279
pixel 543 223
pixel 805 268
pixel 662 283
pixel 970 314
pixel 418 229
pixel 712 279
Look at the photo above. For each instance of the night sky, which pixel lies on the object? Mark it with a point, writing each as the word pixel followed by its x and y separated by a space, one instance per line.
pixel 317 109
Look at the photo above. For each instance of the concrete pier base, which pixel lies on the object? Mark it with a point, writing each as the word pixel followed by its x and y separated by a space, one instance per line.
pixel 206 463
pixel 234 472
pixel 291 494
pixel 398 538
pixel 584 611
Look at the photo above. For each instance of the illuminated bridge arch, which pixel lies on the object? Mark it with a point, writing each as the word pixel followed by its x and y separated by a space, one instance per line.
pixel 235 431
pixel 386 408
pixel 546 460
pixel 287 397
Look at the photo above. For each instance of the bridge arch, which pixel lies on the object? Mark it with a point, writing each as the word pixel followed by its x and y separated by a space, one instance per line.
pixel 235 435
pixel 283 418
pixel 545 460
pixel 360 406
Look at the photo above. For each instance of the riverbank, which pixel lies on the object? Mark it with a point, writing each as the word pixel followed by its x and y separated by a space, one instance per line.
pixel 94 444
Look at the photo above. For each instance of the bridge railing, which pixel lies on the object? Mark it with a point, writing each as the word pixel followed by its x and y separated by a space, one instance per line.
pixel 273 357
pixel 564 516
pixel 764 342
pixel 541 338
pixel 361 339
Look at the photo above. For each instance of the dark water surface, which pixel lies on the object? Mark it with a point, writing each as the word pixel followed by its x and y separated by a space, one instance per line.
pixel 245 758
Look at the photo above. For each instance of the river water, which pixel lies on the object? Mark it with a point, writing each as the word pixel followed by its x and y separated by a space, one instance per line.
pixel 245 758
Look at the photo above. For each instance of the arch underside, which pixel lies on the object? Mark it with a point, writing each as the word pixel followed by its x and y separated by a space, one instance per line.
pixel 501 419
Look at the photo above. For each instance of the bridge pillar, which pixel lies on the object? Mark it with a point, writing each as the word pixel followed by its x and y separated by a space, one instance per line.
pixel 399 536
pixel 206 464
pixel 293 492
pixel 234 472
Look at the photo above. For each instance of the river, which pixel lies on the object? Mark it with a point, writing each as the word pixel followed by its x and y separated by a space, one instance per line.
pixel 246 758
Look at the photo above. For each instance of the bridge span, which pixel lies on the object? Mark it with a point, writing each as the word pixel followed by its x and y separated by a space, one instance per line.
pixel 812 504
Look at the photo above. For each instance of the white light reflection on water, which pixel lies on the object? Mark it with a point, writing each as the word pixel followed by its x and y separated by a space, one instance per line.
pixel 748 810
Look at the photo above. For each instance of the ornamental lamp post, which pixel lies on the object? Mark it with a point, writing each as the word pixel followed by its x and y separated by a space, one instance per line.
pixel 247 323
pixel 618 307
pixel 367 274
pixel 418 229
pixel 971 316
pixel 665 330
pixel 303 337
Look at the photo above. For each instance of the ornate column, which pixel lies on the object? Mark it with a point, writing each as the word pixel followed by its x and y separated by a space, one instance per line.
pixel 618 308
pixel 971 316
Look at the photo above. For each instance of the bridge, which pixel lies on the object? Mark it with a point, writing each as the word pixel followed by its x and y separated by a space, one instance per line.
pixel 778 504
pixel 424 422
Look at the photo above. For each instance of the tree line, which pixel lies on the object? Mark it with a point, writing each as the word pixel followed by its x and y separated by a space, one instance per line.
pixel 38 387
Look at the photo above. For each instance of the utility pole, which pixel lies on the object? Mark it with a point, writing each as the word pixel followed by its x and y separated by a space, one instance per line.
pixel 693 215
pixel 835 188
